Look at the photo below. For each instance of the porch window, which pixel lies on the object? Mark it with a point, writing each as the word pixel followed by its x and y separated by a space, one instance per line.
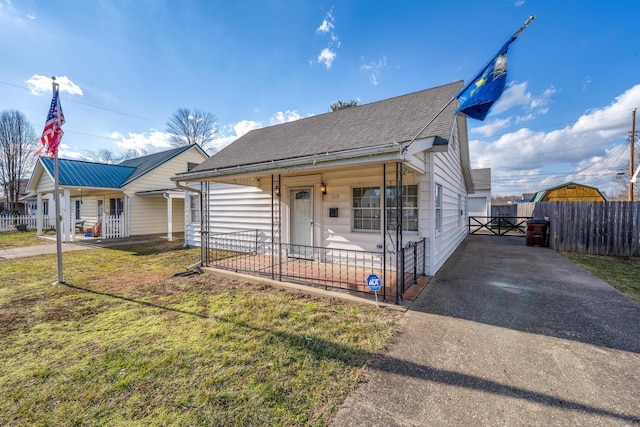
pixel 409 208
pixel 45 207
pixel 116 206
pixel 194 208
pixel 438 207
pixel 366 208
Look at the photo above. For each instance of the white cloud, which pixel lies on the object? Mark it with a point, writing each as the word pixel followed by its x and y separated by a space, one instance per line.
pixel 284 117
pixel 230 133
pixel 149 142
pixel 491 128
pixel 327 27
pixel 374 68
pixel 39 85
pixel 588 151
pixel 514 95
pixel 326 57
pixel 517 95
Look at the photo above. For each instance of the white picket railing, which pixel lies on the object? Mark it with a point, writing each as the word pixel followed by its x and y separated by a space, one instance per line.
pixel 9 223
pixel 113 226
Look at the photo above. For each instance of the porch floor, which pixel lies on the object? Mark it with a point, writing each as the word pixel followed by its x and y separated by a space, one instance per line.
pixel 329 276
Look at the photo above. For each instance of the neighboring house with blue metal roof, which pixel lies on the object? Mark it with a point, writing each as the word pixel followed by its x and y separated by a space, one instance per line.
pixel 135 197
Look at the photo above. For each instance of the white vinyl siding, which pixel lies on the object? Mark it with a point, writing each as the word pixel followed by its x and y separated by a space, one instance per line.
pixel 447 172
pixel 149 214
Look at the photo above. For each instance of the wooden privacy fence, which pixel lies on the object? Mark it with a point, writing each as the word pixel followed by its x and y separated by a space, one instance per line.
pixel 598 228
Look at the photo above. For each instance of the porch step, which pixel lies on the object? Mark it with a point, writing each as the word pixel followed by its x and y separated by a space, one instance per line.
pixel 414 290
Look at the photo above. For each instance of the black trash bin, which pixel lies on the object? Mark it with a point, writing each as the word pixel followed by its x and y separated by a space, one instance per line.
pixel 537 232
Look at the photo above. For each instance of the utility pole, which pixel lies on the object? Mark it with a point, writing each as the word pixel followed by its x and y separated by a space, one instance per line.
pixel 631 140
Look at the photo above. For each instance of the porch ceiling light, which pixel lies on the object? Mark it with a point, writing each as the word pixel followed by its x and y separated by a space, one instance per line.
pixel 323 188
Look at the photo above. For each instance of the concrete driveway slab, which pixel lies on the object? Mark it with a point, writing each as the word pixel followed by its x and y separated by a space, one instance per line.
pixel 507 335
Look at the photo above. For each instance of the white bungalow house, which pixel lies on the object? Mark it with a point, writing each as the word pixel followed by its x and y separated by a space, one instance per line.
pixel 135 197
pixel 332 199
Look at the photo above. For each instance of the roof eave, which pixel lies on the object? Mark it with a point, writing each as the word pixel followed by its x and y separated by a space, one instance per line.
pixel 386 152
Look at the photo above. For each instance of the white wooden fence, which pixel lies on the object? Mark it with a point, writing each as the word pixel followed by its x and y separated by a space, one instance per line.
pixel 9 223
pixel 113 226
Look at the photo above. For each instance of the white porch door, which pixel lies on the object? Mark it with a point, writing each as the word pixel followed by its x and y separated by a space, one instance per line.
pixel 301 227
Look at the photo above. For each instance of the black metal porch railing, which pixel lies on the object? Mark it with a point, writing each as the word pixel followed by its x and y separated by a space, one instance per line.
pixel 412 264
pixel 498 225
pixel 252 252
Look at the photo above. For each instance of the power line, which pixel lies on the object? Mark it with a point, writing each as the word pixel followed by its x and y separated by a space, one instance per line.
pixel 554 125
pixel 66 99
pixel 541 176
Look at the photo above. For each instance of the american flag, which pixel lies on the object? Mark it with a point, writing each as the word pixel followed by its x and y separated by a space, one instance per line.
pixel 52 133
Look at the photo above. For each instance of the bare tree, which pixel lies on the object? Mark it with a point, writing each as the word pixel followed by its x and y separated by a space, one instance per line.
pixel 18 144
pixel 110 157
pixel 188 126
pixel 341 105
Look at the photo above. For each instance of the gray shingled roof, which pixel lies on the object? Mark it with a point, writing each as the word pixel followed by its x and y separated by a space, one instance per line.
pixel 481 179
pixel 380 123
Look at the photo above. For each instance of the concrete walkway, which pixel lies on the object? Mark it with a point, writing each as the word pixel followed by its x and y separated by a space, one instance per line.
pixel 507 335
pixel 80 245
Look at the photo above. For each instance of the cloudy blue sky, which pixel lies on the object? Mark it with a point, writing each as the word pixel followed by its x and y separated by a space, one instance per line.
pixel 125 66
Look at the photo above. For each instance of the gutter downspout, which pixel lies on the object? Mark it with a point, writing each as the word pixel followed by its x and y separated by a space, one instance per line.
pixel 204 240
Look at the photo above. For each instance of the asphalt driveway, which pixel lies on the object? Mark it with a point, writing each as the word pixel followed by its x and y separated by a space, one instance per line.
pixel 507 335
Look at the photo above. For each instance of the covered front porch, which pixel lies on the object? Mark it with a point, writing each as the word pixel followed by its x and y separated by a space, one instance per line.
pixel 341 270
pixel 332 229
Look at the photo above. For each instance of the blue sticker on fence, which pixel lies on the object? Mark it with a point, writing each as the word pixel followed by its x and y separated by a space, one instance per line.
pixel 374 282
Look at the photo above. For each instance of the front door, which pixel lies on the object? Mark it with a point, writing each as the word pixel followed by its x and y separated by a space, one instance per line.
pixel 301 227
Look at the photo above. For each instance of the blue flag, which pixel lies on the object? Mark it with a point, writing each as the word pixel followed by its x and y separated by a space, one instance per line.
pixel 477 97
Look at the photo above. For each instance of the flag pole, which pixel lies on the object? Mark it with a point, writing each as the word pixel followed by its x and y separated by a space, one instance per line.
pixel 504 47
pixel 56 183
pixel 406 147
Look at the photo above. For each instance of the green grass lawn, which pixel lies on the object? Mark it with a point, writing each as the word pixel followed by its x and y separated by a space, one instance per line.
pixel 621 273
pixel 17 239
pixel 125 343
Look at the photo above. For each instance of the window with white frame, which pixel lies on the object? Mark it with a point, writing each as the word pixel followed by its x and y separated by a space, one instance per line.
pixel 194 208
pixel 116 206
pixel 410 208
pixel 366 208
pixel 438 207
